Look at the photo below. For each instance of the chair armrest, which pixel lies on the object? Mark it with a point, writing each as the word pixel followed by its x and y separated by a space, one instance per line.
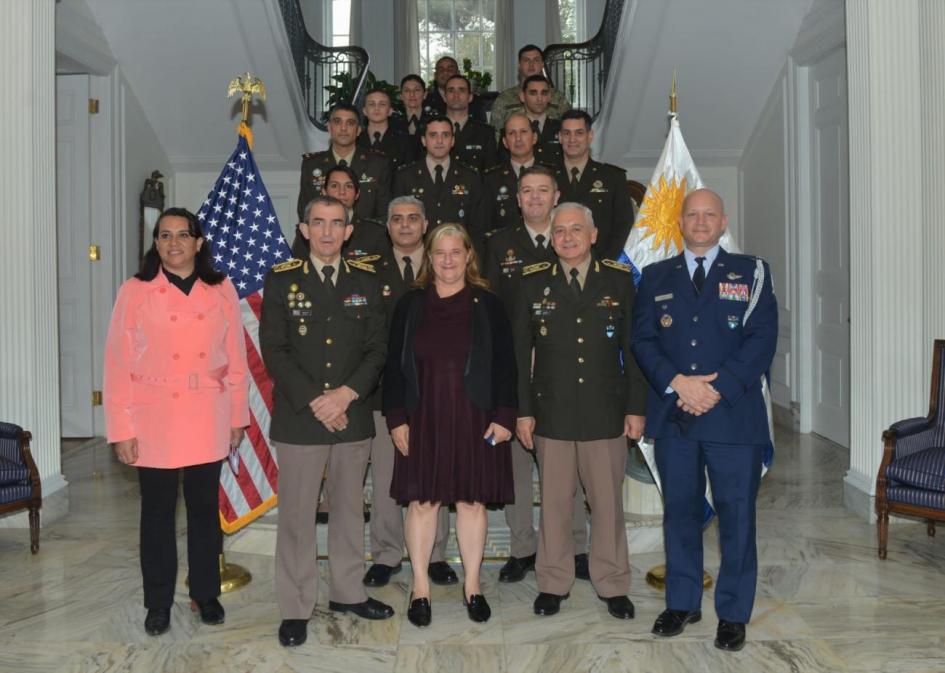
pixel 27 456
pixel 910 426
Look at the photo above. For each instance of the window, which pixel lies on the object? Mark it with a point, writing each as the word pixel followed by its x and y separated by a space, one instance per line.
pixel 569 20
pixel 457 28
pixel 338 23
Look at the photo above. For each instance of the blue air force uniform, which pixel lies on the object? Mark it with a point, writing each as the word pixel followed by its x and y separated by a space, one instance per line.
pixel 677 330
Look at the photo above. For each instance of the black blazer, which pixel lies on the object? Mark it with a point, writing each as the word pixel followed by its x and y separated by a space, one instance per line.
pixel 490 377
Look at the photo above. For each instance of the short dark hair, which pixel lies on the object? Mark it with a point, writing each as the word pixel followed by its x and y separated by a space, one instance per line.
pixel 151 262
pixel 462 77
pixel 413 77
pixel 348 107
pixel 530 47
pixel 325 200
pixel 536 78
pixel 539 169
pixel 575 113
pixel 435 119
pixel 347 170
pixel 379 90
pixel 446 57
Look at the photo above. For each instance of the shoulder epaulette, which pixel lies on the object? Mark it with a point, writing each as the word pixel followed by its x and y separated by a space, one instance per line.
pixel 366 259
pixel 535 268
pixel 287 266
pixel 358 264
pixel 492 169
pixel 620 266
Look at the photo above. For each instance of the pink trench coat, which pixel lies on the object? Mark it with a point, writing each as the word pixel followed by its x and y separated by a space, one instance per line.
pixel 175 371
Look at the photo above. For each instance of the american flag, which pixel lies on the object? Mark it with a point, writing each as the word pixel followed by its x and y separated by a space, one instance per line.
pixel 239 222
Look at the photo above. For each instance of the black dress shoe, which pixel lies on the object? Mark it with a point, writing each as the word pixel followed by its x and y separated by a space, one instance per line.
pixel 672 622
pixel 730 636
pixel 158 621
pixel 293 632
pixel 516 568
pixel 419 612
pixel 477 608
pixel 548 604
pixel 620 607
pixel 378 575
pixel 581 570
pixel 211 612
pixel 369 609
pixel 441 573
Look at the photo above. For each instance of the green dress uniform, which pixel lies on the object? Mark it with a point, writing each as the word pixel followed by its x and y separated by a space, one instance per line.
pixel 457 200
pixel 374 176
pixel 500 197
pixel 603 189
pixel 583 383
pixel 475 146
pixel 313 338
pixel 507 103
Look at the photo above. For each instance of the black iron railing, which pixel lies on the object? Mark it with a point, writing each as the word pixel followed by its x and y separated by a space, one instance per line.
pixel 581 70
pixel 317 66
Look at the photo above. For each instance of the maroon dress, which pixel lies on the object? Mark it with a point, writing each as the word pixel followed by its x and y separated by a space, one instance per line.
pixel 448 458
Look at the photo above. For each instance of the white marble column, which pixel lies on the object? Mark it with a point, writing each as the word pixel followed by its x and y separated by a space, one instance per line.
pixel 894 72
pixel 29 360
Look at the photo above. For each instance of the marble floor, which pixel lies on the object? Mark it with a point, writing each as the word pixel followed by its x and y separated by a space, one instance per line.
pixel 825 602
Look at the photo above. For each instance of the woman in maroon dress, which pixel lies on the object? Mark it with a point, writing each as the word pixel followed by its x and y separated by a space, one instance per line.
pixel 450 402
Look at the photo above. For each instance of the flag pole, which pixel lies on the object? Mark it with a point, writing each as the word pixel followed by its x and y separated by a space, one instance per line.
pixel 656 576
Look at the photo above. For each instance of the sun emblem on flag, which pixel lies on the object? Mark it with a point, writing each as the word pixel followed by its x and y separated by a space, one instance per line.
pixel 659 214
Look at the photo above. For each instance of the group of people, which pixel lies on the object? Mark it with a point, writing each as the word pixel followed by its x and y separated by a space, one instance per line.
pixel 451 363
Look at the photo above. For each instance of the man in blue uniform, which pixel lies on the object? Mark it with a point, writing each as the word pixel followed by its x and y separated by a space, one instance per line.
pixel 705 327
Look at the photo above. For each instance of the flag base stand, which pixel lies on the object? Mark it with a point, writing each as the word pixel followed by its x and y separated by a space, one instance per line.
pixel 656 578
pixel 232 576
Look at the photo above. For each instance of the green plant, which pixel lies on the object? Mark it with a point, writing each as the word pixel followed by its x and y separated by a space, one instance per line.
pixel 343 89
pixel 480 80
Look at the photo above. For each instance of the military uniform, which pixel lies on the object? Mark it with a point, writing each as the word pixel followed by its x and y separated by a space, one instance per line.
pixel 508 103
pixel 396 144
pixel 547 149
pixel 457 200
pixel 678 330
pixel 475 146
pixel 500 197
pixel 579 395
pixel 312 339
pixel 603 189
pixel 374 175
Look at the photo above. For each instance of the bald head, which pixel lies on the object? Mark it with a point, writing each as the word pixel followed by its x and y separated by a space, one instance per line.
pixel 701 193
pixel 702 220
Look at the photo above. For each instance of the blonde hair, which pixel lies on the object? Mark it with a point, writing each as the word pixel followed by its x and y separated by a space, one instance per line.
pixel 472 276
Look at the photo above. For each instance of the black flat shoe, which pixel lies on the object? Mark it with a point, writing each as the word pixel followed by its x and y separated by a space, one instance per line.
pixel 293 632
pixel 477 608
pixel 441 573
pixel 581 570
pixel 620 607
pixel 158 621
pixel 211 612
pixel 516 568
pixel 419 612
pixel 378 575
pixel 730 636
pixel 548 604
pixel 672 622
pixel 369 609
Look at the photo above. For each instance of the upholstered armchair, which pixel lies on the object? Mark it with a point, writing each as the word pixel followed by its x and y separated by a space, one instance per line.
pixel 19 479
pixel 911 477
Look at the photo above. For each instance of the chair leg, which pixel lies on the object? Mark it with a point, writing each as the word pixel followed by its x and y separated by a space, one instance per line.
pixel 882 528
pixel 930 528
pixel 34 529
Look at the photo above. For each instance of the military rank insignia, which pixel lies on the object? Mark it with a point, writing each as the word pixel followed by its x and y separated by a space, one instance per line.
pixel 610 330
pixel 733 291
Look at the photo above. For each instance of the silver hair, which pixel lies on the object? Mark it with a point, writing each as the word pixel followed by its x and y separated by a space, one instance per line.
pixel 568 205
pixel 411 200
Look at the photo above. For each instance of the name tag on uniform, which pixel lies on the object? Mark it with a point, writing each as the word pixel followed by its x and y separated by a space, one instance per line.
pixel 733 291
pixel 473 147
pixel 663 297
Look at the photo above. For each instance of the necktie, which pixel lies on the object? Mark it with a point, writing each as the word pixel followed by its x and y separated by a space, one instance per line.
pixel 456 128
pixel 438 180
pixel 574 175
pixel 575 283
pixel 342 162
pixel 408 271
pixel 328 271
pixel 535 126
pixel 698 276
pixel 540 242
pixel 377 140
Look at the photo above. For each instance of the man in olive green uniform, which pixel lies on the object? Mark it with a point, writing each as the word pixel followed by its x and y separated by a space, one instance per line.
pixel 396 270
pixel 450 191
pixel 500 184
pixel 323 338
pixel 536 97
pixel 508 251
pixel 473 141
pixel 530 62
pixel 600 187
pixel 372 168
pixel 578 405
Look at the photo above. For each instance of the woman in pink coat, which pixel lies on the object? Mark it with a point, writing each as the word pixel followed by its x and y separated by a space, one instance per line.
pixel 176 401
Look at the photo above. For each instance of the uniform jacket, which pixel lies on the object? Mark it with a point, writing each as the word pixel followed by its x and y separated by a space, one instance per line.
pixel 603 189
pixel 585 378
pixel 508 102
pixel 175 371
pixel 490 377
pixel 676 331
pixel 393 288
pixel 312 341
pixel 458 200
pixel 508 252
pixel 475 146
pixel 374 173
pixel 396 144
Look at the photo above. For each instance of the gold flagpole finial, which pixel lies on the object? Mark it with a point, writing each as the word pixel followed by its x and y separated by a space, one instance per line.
pixel 249 86
pixel 672 95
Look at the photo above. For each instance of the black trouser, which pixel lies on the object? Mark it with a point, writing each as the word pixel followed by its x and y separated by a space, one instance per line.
pixel 158 532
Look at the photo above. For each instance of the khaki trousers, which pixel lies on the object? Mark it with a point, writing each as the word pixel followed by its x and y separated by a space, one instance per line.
pixel 300 478
pixel 598 465
pixel 523 540
pixel 387 516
